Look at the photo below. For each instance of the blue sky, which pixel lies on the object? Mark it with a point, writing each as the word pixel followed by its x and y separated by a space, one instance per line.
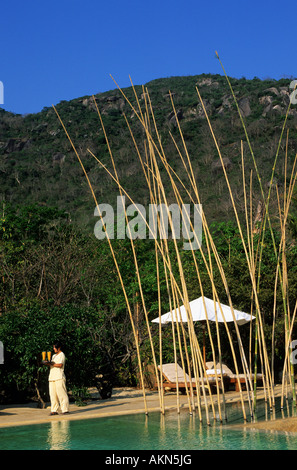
pixel 60 50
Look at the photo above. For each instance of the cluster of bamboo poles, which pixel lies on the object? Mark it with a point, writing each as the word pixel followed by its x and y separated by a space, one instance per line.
pixel 185 342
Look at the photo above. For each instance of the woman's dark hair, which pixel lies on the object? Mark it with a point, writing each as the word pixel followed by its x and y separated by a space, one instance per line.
pixel 57 344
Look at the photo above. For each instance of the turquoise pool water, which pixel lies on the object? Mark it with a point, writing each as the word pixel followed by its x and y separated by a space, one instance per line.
pixel 153 432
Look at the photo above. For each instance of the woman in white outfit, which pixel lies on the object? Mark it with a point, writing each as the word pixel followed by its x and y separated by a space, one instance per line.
pixel 57 382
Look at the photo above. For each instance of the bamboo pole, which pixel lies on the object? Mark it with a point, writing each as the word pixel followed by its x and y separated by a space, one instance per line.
pixel 196 269
pixel 267 217
pixel 115 261
pixel 179 338
pixel 236 365
pixel 134 257
pixel 181 292
pixel 231 348
pixel 157 196
pixel 164 197
pixel 268 374
pixel 196 192
pixel 190 165
pixel 153 197
pixel 100 162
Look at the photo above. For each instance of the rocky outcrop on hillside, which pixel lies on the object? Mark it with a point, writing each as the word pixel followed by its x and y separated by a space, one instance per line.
pixel 38 164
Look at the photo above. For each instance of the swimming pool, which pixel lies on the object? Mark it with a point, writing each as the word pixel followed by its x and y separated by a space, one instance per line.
pixel 153 432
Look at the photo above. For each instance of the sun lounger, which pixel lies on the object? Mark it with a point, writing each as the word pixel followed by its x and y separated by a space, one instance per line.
pixel 233 378
pixel 169 374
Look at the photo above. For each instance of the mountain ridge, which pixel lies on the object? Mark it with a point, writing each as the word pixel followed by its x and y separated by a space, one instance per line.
pixel 38 165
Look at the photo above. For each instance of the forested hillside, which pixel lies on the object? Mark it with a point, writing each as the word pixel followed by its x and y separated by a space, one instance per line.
pixel 59 281
pixel 38 164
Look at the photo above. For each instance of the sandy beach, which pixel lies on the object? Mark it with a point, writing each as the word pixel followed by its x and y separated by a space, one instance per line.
pixel 279 425
pixel 125 401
